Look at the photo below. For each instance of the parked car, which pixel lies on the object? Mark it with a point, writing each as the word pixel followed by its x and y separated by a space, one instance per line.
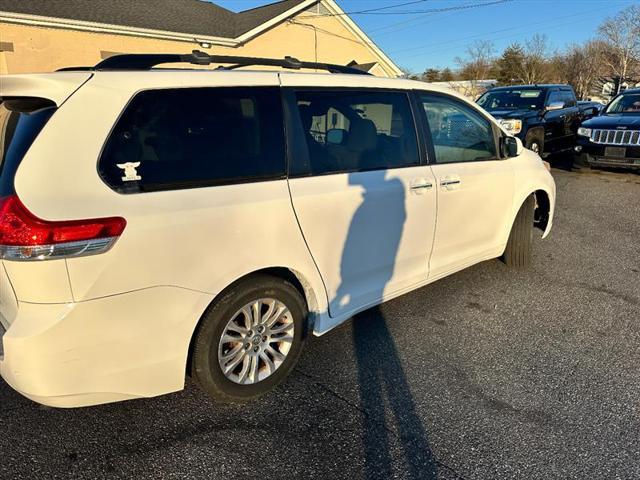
pixel 613 138
pixel 159 223
pixel 545 117
pixel 590 108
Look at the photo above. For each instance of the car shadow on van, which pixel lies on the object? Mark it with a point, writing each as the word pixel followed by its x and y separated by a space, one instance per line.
pixel 381 378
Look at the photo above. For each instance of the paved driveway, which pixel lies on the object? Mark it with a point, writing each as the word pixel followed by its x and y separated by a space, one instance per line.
pixel 490 373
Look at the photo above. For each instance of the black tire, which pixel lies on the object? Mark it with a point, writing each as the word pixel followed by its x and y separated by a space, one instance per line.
pixel 520 244
pixel 534 142
pixel 206 368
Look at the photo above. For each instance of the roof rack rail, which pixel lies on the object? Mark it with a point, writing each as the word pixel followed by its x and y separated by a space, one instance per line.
pixel 146 61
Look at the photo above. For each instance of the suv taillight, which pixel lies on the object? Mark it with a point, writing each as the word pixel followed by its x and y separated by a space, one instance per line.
pixel 23 236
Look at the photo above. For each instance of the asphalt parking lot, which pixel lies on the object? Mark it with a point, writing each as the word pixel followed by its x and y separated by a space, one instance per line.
pixel 490 373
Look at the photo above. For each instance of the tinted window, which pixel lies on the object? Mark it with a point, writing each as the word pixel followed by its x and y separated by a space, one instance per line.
pixel 628 103
pixel 348 131
pixel 513 99
pixel 181 138
pixel 569 98
pixel 21 120
pixel 458 132
pixel 555 96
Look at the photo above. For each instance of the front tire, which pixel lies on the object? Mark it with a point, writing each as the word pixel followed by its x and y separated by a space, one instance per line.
pixel 520 244
pixel 535 143
pixel 250 339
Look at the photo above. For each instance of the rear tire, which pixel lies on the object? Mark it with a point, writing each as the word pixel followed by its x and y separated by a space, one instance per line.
pixel 265 353
pixel 520 244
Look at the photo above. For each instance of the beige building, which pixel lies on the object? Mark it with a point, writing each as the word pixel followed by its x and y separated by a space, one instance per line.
pixel 45 35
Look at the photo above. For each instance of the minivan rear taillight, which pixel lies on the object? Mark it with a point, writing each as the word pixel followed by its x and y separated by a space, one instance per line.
pixel 23 236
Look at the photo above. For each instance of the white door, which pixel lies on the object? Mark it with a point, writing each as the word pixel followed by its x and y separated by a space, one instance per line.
pixel 365 204
pixel 475 187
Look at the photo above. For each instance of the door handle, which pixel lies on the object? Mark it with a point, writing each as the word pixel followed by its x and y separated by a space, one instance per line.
pixel 450 183
pixel 421 185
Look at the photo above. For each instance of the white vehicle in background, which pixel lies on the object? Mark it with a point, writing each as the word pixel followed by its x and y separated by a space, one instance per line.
pixel 160 223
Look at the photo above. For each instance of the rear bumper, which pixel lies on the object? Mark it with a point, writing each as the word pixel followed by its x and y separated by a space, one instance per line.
pixel 115 348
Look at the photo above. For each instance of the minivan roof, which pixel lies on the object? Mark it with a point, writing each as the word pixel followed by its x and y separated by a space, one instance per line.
pixel 170 78
pixel 58 86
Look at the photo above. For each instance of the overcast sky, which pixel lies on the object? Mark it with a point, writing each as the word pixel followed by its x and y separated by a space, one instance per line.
pixel 420 40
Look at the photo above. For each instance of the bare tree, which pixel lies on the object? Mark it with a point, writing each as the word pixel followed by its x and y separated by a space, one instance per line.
pixel 478 61
pixel 535 66
pixel 476 66
pixel 621 35
pixel 581 66
pixel 408 73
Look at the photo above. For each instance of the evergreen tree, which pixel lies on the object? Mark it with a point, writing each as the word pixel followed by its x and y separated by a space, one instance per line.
pixel 510 64
pixel 431 75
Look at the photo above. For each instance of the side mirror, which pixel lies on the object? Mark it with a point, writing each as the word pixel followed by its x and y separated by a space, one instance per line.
pixel 336 136
pixel 511 147
pixel 554 106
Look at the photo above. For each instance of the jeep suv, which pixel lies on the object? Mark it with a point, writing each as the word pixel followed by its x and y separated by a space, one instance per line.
pixel 613 138
pixel 158 223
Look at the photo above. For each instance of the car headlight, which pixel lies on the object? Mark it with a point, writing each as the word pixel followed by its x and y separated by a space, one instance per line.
pixel 584 132
pixel 512 126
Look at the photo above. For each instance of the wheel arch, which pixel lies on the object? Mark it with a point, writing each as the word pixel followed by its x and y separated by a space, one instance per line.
pixel 296 278
pixel 538 132
pixel 542 213
pixel 543 210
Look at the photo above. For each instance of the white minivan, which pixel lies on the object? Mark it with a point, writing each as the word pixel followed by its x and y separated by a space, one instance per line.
pixel 156 223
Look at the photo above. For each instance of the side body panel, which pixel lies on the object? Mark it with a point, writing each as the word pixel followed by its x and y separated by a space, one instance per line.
pixel 369 233
pixel 115 348
pixel 472 215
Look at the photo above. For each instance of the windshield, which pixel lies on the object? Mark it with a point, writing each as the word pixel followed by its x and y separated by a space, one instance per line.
pixel 513 99
pixel 625 104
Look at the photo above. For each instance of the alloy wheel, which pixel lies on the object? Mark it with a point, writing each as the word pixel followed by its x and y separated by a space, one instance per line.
pixel 256 340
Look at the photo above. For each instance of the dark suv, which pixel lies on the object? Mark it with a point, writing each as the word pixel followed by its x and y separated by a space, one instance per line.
pixel 613 138
pixel 545 117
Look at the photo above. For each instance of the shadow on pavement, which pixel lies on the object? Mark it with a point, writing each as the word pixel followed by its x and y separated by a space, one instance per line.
pixel 367 268
pixel 380 377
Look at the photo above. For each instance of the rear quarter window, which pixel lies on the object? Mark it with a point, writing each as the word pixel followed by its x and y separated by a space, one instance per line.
pixel 21 120
pixel 186 138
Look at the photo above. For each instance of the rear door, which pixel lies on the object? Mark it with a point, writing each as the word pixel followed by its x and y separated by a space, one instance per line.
pixel 475 186
pixel 364 198
pixel 21 120
pixel 28 104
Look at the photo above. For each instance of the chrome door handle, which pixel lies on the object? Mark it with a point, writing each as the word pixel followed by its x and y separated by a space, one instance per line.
pixel 419 186
pixel 446 183
pixel 450 182
pixel 422 186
